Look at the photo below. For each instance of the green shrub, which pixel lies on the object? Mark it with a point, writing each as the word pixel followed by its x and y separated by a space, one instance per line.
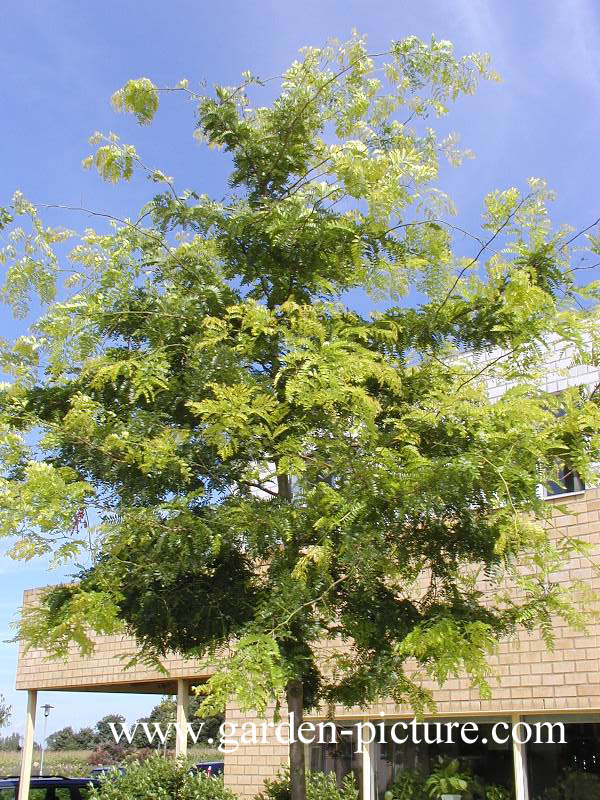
pixel 409 785
pixel 494 792
pixel 276 789
pixel 447 778
pixel 323 787
pixel 319 786
pixel 161 778
pixel 575 786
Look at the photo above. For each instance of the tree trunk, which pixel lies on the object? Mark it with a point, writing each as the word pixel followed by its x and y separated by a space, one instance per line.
pixel 294 696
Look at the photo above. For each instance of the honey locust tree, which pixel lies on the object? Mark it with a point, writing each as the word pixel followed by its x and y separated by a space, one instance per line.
pixel 311 497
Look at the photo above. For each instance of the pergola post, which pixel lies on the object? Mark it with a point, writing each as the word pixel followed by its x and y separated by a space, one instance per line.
pixel 182 715
pixel 368 773
pixel 520 764
pixel 27 752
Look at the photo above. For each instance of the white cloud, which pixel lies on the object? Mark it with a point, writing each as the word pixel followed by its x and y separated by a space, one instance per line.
pixel 482 24
pixel 577 48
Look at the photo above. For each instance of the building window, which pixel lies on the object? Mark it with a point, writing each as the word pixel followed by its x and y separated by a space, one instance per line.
pixel 568 770
pixel 399 765
pixel 340 758
pixel 567 482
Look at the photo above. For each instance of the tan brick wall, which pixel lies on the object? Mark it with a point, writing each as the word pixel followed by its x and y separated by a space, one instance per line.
pixel 247 768
pixel 526 676
pixel 104 668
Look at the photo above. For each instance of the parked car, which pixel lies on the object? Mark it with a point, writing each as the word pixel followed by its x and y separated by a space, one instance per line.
pixel 100 772
pixel 48 787
pixel 210 767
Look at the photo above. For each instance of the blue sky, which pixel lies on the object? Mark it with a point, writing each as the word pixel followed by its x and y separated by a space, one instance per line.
pixel 62 61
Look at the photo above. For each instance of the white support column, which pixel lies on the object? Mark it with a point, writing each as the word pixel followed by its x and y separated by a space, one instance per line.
pixel 368 773
pixel 182 716
pixel 27 752
pixel 520 763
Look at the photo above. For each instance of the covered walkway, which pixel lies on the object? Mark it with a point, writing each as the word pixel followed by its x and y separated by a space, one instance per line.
pixel 103 671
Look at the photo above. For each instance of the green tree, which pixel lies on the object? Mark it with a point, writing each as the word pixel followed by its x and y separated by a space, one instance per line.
pixel 10 743
pixel 63 739
pixel 5 712
pixel 165 712
pixel 69 739
pixel 103 731
pixel 265 467
pixel 85 738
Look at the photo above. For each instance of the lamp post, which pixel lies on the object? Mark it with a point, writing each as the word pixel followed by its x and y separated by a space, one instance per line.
pixel 46 708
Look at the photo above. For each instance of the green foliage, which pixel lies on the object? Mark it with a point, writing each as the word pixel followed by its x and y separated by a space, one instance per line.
pixel 5 712
pixel 166 711
pixel 277 788
pixel 101 736
pixel 447 778
pixel 140 97
pixel 574 785
pixel 160 778
pixel 494 792
pixel 10 743
pixel 5 217
pixel 104 734
pixel 319 786
pixel 409 785
pixel 68 739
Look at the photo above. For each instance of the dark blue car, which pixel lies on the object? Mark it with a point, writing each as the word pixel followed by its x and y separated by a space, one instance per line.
pixel 113 769
pixel 209 767
pixel 48 787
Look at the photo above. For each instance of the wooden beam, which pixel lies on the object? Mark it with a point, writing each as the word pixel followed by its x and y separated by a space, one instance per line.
pixel 182 717
pixel 368 762
pixel 27 752
pixel 520 762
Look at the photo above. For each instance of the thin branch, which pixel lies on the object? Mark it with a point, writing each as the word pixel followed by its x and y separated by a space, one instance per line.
pixel 127 223
pixel 309 603
pixel 436 222
pixel 261 488
pixel 578 269
pixel 484 246
pixel 581 232
pixel 485 367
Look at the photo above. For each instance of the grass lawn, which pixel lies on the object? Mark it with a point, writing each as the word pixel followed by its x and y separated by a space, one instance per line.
pixel 73 763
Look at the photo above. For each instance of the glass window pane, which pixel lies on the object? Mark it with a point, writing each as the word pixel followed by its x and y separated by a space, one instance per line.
pixel 410 763
pixel 571 769
pixel 567 481
pixel 339 758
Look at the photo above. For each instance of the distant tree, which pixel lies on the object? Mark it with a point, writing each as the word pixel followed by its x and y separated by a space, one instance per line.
pixel 166 711
pixel 10 743
pixel 86 738
pixel 69 739
pixel 63 739
pixel 103 733
pixel 5 711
